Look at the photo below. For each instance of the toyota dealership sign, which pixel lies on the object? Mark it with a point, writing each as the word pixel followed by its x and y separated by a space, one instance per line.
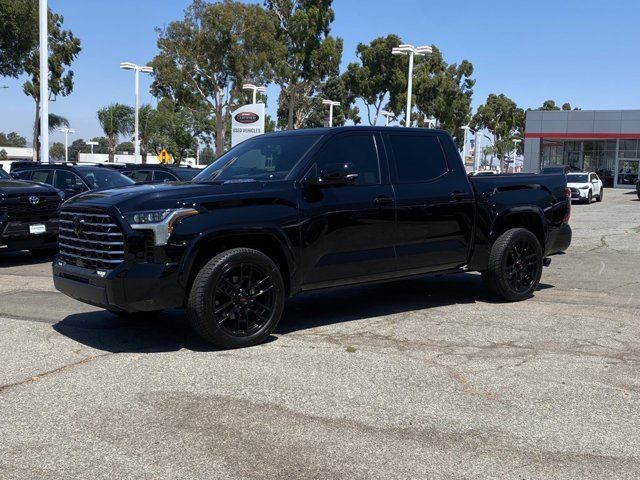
pixel 247 122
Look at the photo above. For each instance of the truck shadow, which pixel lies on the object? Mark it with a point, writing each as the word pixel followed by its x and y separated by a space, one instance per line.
pixel 19 259
pixel 169 331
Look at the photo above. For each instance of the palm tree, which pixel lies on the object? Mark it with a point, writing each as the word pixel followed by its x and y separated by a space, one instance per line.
pixel 55 122
pixel 115 120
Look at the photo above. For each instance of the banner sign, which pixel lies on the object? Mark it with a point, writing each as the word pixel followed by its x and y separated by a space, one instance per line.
pixel 246 122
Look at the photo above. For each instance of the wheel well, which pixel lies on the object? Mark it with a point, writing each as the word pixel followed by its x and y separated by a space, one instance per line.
pixel 264 243
pixel 527 220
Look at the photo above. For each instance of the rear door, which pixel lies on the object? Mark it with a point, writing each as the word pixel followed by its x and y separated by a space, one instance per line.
pixel 347 230
pixel 434 201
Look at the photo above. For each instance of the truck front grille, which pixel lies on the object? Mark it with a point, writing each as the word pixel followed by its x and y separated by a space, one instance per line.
pixel 30 207
pixel 91 240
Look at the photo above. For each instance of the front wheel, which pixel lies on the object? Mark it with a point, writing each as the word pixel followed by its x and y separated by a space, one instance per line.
pixel 601 195
pixel 236 299
pixel 515 265
pixel 589 198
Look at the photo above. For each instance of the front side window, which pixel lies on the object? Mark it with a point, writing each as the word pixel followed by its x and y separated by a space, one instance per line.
pixel 259 158
pixel 65 180
pixel 160 176
pixel 139 175
pixel 3 175
pixel 419 158
pixel 106 179
pixel 358 150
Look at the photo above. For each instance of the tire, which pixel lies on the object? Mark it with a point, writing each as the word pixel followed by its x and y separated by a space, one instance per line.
pixel 504 272
pixel 638 195
pixel 589 198
pixel 236 299
pixel 43 252
pixel 601 195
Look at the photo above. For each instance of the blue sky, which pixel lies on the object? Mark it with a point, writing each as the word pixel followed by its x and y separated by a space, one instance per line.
pixel 581 51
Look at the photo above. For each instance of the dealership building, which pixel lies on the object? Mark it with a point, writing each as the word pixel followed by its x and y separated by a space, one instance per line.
pixel 603 141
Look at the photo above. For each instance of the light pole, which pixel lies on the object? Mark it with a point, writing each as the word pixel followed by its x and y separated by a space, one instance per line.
pixel 387 115
pixel 43 15
pixel 515 141
pixel 331 104
pixel 66 132
pixel 255 89
pixel 406 49
pixel 93 144
pixel 466 128
pixel 137 69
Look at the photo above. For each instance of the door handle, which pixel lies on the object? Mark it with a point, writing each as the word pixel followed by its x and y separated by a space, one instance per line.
pixel 382 200
pixel 459 196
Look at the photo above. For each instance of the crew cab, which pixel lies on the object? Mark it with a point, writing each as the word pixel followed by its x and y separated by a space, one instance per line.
pixel 294 211
pixel 28 216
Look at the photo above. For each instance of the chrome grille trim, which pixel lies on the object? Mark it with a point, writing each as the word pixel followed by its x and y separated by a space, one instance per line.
pixel 94 241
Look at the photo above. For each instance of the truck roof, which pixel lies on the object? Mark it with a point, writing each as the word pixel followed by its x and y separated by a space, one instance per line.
pixel 354 128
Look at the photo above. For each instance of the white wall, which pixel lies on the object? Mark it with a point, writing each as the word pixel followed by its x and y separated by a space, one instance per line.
pixel 119 158
pixel 18 153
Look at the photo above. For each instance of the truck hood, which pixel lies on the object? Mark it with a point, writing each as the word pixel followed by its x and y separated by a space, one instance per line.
pixel 158 196
pixel 13 188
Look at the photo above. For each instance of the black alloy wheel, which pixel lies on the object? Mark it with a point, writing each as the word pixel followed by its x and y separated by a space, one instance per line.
pixel 236 299
pixel 515 265
pixel 522 265
pixel 243 300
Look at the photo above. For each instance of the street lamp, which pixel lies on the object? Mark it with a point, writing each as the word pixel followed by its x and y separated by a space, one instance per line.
pixel 387 115
pixel 93 144
pixel 137 69
pixel 466 128
pixel 66 132
pixel 406 49
pixel 331 104
pixel 255 89
pixel 4 86
pixel 515 141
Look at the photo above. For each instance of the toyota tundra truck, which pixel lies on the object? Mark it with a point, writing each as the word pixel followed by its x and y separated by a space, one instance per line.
pixel 295 211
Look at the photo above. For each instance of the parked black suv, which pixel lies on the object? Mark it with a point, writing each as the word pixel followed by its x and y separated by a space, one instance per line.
pixel 28 215
pixel 147 173
pixel 293 211
pixel 71 178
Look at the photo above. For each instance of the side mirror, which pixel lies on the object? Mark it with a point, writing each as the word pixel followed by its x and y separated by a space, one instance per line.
pixel 336 174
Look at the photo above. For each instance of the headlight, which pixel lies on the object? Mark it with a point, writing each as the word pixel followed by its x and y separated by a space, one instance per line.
pixel 160 222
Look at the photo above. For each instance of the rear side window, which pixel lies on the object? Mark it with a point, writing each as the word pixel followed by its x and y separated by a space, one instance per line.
pixel 160 176
pixel 40 176
pixel 139 175
pixel 418 158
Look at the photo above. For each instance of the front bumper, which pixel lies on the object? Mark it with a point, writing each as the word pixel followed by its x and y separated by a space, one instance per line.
pixel 15 235
pixel 131 287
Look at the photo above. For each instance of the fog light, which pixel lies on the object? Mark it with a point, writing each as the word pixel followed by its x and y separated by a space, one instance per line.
pixel 101 273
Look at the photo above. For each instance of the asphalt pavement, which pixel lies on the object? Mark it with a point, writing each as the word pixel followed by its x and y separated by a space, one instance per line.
pixel 422 378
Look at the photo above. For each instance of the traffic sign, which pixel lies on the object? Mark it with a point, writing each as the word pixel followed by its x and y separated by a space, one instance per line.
pixel 164 156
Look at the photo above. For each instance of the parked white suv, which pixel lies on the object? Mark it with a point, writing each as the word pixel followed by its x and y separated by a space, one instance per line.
pixel 585 186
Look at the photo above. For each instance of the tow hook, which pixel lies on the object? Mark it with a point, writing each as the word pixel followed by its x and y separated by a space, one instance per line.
pixel 546 261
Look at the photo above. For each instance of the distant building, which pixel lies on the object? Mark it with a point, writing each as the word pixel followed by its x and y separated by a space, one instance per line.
pixel 18 153
pixel 603 141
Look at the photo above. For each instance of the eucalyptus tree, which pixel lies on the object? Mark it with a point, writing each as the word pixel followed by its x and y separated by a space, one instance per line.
pixel 205 58
pixel 64 47
pixel 116 120
pixel 309 54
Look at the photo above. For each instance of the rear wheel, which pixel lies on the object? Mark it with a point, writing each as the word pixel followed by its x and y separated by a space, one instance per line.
pixel 236 299
pixel 515 265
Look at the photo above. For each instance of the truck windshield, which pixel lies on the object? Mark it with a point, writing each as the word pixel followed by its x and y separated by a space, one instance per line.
pixel 260 158
pixel 104 178
pixel 577 178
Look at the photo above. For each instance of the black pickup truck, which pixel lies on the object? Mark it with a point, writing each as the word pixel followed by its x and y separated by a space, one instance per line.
pixel 294 211
pixel 28 215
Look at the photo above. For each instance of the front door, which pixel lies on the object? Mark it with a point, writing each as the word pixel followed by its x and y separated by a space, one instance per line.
pixel 347 231
pixel 628 172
